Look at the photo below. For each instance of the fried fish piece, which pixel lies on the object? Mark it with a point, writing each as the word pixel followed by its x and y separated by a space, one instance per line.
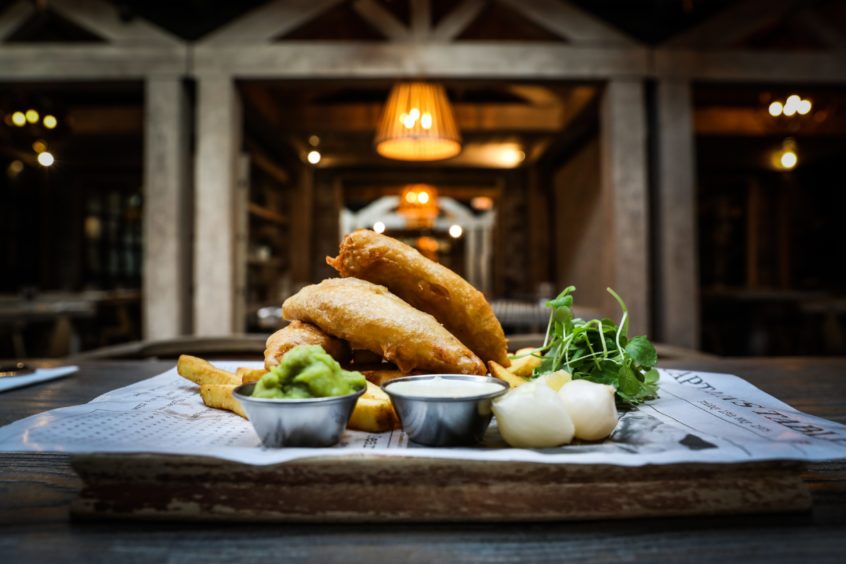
pixel 370 317
pixel 426 285
pixel 299 333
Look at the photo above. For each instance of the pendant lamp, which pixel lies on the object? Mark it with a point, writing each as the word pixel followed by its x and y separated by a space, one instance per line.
pixel 417 124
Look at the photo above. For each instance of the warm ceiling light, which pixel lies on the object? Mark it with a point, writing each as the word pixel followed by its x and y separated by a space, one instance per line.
pixel 804 107
pixel 455 231
pixel 50 122
pixel 45 159
pixel 776 108
pixel 19 119
pixel 482 203
pixel 419 205
pixel 379 227
pixel 32 116
pixel 417 124
pixel 786 158
pixel 314 157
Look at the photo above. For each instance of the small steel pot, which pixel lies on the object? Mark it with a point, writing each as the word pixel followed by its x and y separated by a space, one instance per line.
pixel 445 421
pixel 312 422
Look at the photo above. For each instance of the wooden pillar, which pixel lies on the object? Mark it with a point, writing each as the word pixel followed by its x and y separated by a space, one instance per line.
pixel 678 254
pixel 216 174
pixel 624 183
pixel 167 210
pixel 302 227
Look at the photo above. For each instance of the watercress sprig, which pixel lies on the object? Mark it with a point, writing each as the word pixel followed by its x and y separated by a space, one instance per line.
pixel 599 350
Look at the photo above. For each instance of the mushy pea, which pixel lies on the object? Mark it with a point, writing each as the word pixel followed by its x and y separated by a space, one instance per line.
pixel 307 371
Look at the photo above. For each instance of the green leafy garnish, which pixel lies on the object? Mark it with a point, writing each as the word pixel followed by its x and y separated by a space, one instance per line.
pixel 599 350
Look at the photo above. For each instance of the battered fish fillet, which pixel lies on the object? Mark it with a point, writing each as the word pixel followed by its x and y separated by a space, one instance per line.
pixel 426 285
pixel 370 317
pixel 299 333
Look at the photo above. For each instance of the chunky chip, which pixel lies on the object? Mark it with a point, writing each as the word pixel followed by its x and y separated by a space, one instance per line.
pixel 220 396
pixel 374 412
pixel 202 372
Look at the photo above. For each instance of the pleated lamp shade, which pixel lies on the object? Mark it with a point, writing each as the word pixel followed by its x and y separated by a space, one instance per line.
pixel 417 124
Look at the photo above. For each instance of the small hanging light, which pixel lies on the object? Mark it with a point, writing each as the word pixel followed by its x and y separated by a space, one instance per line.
pixel 419 205
pixel 417 124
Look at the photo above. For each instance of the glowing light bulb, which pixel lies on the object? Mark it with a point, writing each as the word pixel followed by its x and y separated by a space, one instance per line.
pixel 414 114
pixel 482 203
pixel 423 197
pixel 426 121
pixel 411 197
pixel 788 160
pixel 32 116
pixel 455 231
pixel 50 122
pixel 776 108
pixel 379 227
pixel 14 169
pixel 46 159
pixel 19 119
pixel 804 107
pixel 314 157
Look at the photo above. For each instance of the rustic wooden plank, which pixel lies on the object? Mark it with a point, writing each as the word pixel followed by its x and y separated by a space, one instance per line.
pixel 167 209
pixel 268 21
pixel 750 66
pixel 104 20
pixel 381 19
pixel 421 19
pixel 734 23
pixel 54 61
pixel 457 20
pixel 569 22
pixel 14 16
pixel 323 59
pixel 216 169
pixel 373 489
pixel 677 268
pixel 623 179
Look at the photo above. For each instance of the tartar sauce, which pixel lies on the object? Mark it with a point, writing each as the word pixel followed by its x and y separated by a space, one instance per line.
pixel 438 387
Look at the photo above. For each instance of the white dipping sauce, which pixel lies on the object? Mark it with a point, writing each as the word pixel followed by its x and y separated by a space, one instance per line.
pixel 443 388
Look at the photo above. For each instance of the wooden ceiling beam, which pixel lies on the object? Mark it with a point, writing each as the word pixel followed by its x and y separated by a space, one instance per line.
pixel 470 117
pixel 267 22
pixel 569 22
pixel 382 20
pixel 731 25
pixel 481 59
pixel 456 21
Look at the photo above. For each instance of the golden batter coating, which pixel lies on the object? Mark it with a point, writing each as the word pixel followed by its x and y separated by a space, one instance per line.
pixel 299 333
pixel 426 285
pixel 370 317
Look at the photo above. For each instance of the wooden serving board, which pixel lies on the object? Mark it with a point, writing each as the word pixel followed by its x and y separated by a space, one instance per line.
pixel 377 489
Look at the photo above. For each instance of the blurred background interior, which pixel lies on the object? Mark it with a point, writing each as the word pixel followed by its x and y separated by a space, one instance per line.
pixel 173 169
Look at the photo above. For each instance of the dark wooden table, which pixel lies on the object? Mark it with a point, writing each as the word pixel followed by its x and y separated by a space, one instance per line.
pixel 36 490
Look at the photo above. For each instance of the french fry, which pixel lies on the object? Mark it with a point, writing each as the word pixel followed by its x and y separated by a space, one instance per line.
pixel 499 371
pixel 249 375
pixel 220 396
pixel 374 412
pixel 202 372
pixel 526 365
pixel 379 377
